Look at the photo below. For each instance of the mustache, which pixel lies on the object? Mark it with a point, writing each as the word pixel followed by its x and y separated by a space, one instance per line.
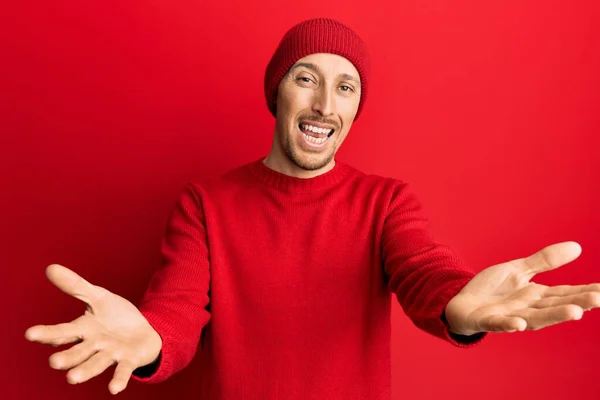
pixel 319 120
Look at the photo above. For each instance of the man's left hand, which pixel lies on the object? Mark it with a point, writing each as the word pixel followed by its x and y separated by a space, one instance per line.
pixel 502 298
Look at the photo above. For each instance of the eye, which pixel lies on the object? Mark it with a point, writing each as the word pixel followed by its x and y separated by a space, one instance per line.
pixel 348 88
pixel 305 79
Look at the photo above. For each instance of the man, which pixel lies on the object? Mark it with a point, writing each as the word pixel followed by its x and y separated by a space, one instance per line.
pixel 283 269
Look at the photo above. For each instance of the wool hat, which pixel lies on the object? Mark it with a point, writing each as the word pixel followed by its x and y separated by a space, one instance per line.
pixel 317 35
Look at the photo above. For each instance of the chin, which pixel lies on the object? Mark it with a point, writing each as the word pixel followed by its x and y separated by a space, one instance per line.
pixel 308 161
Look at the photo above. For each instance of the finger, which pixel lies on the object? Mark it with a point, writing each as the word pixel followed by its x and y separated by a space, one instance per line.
pixel 121 376
pixel 585 300
pixel 74 356
pixel 501 323
pixel 541 318
pixel 90 368
pixel 564 290
pixel 551 257
pixel 55 335
pixel 71 283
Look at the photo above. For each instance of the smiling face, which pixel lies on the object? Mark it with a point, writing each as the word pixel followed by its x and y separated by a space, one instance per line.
pixel 317 101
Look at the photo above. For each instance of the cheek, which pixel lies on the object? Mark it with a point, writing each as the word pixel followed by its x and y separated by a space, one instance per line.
pixel 342 137
pixel 348 110
pixel 297 100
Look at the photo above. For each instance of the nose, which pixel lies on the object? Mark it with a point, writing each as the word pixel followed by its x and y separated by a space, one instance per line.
pixel 324 102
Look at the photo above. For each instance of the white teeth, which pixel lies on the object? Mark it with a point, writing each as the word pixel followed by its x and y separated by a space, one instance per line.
pixel 315 129
pixel 314 139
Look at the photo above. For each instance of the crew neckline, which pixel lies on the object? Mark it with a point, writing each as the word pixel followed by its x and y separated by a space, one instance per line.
pixel 288 183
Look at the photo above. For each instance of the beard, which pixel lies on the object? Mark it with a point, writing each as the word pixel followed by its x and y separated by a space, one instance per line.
pixel 307 163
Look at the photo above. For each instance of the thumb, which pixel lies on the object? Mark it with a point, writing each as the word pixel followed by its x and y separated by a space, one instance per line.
pixel 71 283
pixel 551 257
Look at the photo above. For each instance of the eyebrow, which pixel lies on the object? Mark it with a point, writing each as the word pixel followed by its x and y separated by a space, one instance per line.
pixel 315 68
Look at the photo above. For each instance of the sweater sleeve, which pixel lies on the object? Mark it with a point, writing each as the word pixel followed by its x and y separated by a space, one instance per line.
pixel 423 274
pixel 176 300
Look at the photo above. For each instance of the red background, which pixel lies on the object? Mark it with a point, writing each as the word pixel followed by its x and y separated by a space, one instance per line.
pixel 490 109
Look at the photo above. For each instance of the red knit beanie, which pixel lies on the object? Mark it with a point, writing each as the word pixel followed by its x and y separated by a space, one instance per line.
pixel 318 35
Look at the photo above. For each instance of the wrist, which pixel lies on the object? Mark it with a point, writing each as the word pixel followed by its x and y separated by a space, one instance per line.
pixel 455 321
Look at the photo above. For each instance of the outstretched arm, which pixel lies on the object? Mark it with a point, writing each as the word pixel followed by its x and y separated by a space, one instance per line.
pixel 423 274
pixel 150 343
pixel 176 300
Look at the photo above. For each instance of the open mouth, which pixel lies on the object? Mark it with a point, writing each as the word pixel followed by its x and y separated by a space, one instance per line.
pixel 315 136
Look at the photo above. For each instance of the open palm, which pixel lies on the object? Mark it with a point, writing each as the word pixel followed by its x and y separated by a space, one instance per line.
pixel 502 298
pixel 111 331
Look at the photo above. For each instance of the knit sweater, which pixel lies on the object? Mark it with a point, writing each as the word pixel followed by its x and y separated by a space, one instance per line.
pixel 285 284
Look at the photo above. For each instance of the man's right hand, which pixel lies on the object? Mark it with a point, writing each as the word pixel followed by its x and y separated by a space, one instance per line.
pixel 111 331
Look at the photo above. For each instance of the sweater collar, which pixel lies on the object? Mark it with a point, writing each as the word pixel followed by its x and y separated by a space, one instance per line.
pixel 288 183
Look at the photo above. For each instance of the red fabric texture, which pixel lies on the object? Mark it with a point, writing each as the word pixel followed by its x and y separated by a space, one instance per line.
pixel 317 35
pixel 285 284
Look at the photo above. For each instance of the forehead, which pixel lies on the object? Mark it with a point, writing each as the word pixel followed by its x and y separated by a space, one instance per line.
pixel 329 64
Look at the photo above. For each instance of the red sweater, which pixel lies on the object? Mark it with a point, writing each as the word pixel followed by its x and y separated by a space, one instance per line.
pixel 286 283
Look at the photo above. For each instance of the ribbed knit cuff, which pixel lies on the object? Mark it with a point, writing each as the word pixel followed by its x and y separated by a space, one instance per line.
pixel 161 369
